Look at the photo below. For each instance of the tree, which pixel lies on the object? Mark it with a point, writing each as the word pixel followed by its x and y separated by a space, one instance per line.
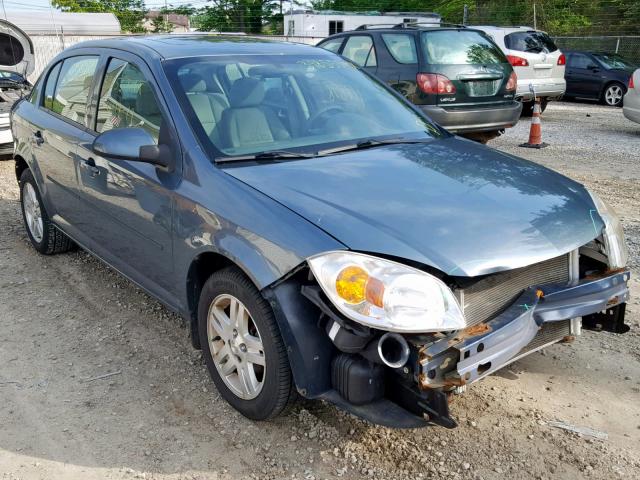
pixel 130 13
pixel 161 25
pixel 249 16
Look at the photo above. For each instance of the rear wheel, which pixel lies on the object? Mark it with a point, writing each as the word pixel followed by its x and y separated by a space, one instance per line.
pixel 613 94
pixel 242 346
pixel 527 107
pixel 43 234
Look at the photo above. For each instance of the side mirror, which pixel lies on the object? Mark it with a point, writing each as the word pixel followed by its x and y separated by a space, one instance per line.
pixel 134 144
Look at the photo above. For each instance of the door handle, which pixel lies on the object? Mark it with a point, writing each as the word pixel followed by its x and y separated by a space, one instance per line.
pixel 38 138
pixel 90 165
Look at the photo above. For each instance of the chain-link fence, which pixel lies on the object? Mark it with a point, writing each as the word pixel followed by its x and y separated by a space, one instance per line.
pixel 626 46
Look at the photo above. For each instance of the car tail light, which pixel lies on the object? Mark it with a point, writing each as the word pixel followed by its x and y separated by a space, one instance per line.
pixel 435 83
pixel 517 61
pixel 631 85
pixel 512 83
pixel 562 60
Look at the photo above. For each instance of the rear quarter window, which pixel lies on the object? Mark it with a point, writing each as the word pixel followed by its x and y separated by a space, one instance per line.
pixel 401 46
pixel 534 42
pixel 332 45
pixel 460 47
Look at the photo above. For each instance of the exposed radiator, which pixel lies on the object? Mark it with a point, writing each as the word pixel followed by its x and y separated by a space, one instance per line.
pixel 489 296
pixel 550 332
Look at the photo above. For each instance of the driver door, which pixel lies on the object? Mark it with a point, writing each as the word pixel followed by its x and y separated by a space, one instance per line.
pixel 128 205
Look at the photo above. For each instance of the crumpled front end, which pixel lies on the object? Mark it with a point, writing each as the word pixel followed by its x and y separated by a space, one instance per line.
pixel 541 315
pixel 404 380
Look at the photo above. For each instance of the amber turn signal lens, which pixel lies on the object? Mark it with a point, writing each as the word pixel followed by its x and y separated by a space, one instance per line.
pixel 351 284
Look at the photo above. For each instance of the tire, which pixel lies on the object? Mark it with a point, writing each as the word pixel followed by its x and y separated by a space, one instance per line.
pixel 274 393
pixel 527 107
pixel 613 93
pixel 45 237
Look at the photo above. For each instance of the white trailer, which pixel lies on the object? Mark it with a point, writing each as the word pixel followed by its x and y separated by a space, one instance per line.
pixel 320 24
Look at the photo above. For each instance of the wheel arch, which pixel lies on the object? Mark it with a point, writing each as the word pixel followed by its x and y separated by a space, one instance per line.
pixel 20 166
pixel 201 268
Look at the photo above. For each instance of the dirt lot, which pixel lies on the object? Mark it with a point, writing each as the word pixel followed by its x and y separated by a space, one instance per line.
pixel 65 320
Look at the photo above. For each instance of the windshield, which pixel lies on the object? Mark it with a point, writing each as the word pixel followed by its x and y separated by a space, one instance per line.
pixel 460 47
pixel 611 61
pixel 250 104
pixel 534 42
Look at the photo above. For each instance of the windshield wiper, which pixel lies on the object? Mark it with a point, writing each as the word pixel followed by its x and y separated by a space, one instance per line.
pixel 271 155
pixel 372 142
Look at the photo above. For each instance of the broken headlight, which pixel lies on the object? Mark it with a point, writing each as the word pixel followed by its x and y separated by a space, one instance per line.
pixel 386 295
pixel 615 245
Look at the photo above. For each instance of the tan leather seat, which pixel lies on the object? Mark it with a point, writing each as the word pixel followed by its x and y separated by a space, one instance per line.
pixel 207 106
pixel 247 122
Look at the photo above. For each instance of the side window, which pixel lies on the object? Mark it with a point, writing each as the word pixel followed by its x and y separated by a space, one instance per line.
pixel 127 100
pixel 401 46
pixel 359 49
pixel 74 87
pixel 50 86
pixel 35 91
pixel 578 60
pixel 332 45
pixel 336 26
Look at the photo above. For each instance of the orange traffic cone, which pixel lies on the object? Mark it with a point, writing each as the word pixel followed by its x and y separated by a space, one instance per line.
pixel 535 133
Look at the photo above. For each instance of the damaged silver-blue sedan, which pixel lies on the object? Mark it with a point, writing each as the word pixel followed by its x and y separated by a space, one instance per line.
pixel 321 236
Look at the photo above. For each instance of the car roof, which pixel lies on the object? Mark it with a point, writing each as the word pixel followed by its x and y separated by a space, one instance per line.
pixel 399 28
pixel 178 46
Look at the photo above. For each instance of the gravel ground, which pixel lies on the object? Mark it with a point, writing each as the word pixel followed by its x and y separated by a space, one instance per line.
pixel 67 319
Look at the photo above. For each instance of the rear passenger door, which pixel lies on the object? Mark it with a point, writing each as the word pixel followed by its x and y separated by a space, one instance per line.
pixel 398 61
pixel 56 128
pixel 582 76
pixel 129 204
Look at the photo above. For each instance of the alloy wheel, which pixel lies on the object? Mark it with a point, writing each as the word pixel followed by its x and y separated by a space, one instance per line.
pixel 613 95
pixel 32 212
pixel 236 346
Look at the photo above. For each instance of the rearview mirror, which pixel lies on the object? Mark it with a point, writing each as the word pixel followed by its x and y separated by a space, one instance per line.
pixel 133 144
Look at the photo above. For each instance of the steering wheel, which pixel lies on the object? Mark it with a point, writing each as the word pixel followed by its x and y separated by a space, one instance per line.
pixel 313 119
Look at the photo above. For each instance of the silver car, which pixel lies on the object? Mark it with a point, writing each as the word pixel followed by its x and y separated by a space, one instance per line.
pixel 631 101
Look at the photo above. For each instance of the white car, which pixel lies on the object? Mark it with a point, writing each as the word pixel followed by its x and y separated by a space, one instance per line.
pixel 631 102
pixel 537 61
pixel 16 63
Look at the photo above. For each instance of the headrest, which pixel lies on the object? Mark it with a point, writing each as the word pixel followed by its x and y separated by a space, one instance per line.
pixel 246 92
pixel 193 83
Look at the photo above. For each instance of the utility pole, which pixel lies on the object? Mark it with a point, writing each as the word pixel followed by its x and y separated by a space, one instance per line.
pixel 535 20
pixel 166 16
pixel 465 14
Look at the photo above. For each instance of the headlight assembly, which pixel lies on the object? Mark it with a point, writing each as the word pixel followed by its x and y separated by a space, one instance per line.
pixel 613 234
pixel 386 295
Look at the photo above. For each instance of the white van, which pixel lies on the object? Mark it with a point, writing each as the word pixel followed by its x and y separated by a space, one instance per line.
pixel 17 61
pixel 537 61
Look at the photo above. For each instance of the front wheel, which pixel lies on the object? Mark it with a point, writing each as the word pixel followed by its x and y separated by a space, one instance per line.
pixel 242 346
pixel 613 94
pixel 45 237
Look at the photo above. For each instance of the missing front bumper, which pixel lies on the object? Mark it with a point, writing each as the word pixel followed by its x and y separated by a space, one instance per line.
pixel 469 355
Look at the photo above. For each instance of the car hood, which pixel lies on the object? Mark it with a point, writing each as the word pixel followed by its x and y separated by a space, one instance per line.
pixel 455 205
pixel 19 56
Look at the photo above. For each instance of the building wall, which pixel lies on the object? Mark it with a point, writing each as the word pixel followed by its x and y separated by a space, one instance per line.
pixel 314 25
